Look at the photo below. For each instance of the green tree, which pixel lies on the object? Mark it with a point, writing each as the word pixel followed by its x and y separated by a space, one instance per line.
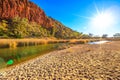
pixel 18 27
pixel 54 30
pixel 116 35
pixel 3 28
pixel 104 36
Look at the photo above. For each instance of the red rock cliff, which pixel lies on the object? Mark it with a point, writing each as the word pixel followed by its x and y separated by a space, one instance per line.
pixel 24 9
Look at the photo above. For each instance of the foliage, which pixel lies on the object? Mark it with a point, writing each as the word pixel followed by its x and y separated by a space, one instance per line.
pixel 90 34
pixel 18 27
pixel 116 35
pixel 66 33
pixel 22 28
pixel 2 63
pixel 3 28
pixel 104 36
pixel 85 36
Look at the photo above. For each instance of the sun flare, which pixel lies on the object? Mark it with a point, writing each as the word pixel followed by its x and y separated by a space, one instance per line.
pixel 102 20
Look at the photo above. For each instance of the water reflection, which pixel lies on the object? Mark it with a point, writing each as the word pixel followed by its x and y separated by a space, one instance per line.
pixel 98 42
pixel 11 56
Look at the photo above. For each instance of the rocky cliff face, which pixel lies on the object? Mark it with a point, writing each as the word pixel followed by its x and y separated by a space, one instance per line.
pixel 24 9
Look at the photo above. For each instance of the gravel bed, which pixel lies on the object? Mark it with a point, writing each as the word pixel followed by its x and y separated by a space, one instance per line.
pixel 81 62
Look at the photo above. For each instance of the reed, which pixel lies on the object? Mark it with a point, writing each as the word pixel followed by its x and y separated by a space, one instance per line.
pixel 79 41
pixel 4 45
pixel 13 43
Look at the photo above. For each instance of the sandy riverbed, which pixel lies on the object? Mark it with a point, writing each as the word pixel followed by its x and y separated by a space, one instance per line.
pixel 81 62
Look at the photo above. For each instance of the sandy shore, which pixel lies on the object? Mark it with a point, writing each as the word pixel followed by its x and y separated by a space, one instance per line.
pixel 81 62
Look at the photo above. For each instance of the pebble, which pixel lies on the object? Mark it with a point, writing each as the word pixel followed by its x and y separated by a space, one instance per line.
pixel 68 65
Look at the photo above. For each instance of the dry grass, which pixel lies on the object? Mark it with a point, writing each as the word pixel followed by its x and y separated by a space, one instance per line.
pixel 81 41
pixel 13 43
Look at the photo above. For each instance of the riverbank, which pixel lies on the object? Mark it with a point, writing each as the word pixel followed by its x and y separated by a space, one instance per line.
pixel 13 43
pixel 81 62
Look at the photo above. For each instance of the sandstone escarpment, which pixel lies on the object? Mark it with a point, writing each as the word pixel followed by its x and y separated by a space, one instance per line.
pixel 24 9
pixel 10 9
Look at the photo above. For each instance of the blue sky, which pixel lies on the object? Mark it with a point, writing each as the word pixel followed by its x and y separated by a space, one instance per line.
pixel 77 14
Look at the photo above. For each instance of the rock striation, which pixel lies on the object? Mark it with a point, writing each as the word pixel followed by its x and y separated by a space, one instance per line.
pixel 24 9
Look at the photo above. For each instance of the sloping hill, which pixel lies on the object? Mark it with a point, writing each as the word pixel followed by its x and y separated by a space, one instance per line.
pixel 14 13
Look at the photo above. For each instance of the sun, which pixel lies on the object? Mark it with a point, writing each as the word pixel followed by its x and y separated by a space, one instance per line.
pixel 102 20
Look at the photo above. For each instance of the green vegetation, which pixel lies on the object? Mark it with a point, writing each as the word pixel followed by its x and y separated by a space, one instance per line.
pixel 63 32
pixel 3 28
pixel 116 35
pixel 104 36
pixel 22 28
pixel 2 63
pixel 21 54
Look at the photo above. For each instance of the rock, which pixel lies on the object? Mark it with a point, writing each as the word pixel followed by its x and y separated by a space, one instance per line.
pixel 24 9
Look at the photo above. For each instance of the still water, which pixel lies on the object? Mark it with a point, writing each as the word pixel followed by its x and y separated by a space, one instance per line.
pixel 98 42
pixel 11 56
